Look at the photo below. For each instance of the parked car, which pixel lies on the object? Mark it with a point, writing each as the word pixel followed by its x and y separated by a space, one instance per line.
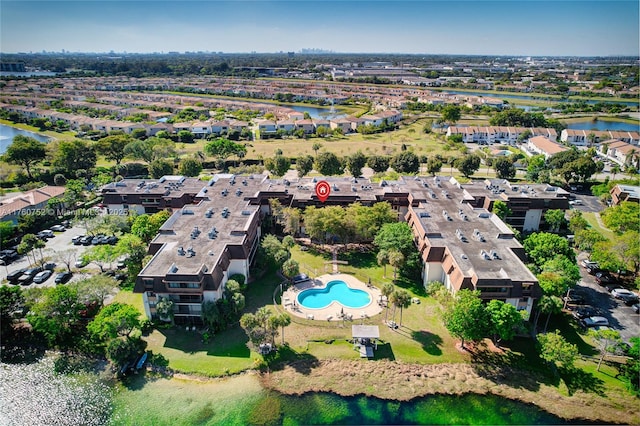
pixel 585 312
pixel 586 262
pixel 27 277
pixel 13 276
pixel 80 263
pixel 611 287
pixel 122 263
pixel 594 321
pixel 636 308
pixel 50 266
pixel 112 239
pixel 628 297
pixel 574 299
pixel 58 228
pixel 63 277
pixel 8 256
pixel 43 235
pixel 593 269
pixel 576 202
pixel 42 276
pixel 86 240
pixel 603 278
pixel 77 240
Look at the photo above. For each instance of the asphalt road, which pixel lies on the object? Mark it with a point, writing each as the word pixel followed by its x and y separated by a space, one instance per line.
pixel 620 316
pixel 61 242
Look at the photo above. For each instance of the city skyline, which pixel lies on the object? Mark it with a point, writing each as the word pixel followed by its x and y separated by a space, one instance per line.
pixel 516 28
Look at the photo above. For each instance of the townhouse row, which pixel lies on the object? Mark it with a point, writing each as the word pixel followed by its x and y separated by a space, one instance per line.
pixel 487 135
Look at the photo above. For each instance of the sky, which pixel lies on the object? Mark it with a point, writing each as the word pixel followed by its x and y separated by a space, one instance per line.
pixel 478 27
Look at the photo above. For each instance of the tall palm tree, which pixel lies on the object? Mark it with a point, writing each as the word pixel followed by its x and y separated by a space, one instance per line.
pixel 396 259
pixel 387 291
pixel 383 260
pixel 401 299
pixel 615 170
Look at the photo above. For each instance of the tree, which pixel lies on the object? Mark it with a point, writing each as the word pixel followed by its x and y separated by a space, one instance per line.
pixel 386 292
pixel 406 162
pixel 504 320
pixel 555 219
pixel 586 239
pixel 316 147
pixel 150 149
pixel 622 217
pixel 122 351
pixel 468 164
pixel 164 309
pixel 400 299
pixel 279 165
pixel 11 301
pixel 114 320
pixel 26 152
pixel 577 222
pixel 606 339
pixel 555 349
pixel 190 167
pixel 283 320
pixel 501 209
pixel 468 319
pixel 222 148
pixel 451 114
pixel 547 305
pixel 135 250
pixel 631 369
pixel 271 246
pixel 55 315
pixel 101 255
pixel 95 289
pixel 504 168
pixel 355 163
pixel 113 147
pixel 66 257
pixel 7 231
pixel 290 268
pixel 383 260
pixel 542 246
pixel 185 136
pixel 328 164
pixel 396 259
pixel 159 168
pixel 379 163
pixel 395 236
pixel 73 155
pixel 558 275
pixel 304 164
pixel 434 166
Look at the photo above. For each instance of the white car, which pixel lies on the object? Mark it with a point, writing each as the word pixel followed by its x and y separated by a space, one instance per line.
pixel 58 228
pixel 587 263
pixel 575 202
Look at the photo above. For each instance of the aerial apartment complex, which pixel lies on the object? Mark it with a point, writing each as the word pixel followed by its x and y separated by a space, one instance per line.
pixel 214 231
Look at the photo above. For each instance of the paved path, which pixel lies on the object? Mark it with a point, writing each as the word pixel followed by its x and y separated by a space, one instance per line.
pixel 599 219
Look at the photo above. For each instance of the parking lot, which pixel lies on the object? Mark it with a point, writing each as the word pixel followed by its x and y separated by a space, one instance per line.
pixel 621 317
pixel 60 242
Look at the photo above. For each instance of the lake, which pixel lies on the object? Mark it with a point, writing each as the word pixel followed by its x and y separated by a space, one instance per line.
pixel 34 395
pixel 604 125
pixel 532 98
pixel 7 133
pixel 314 112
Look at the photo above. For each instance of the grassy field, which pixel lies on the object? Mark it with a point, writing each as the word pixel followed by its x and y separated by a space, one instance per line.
pixel 590 217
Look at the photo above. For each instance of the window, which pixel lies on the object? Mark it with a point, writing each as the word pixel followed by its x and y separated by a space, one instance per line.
pixel 183 285
pixel 492 289
pixel 148 283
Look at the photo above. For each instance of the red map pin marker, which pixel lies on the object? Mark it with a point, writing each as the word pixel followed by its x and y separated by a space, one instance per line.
pixel 323 189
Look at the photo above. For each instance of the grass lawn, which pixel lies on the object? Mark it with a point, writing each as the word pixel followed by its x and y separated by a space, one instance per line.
pixel 590 217
pixel 49 133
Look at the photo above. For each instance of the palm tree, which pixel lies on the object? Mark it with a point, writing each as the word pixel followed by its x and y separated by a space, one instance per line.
pixel 547 305
pixel 316 147
pixel 401 299
pixel 387 291
pixel 615 170
pixel 383 260
pixel 396 259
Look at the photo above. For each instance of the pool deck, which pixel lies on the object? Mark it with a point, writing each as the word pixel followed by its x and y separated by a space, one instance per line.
pixel 334 311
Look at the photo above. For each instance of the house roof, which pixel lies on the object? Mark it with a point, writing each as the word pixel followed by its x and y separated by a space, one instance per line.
pixel 546 145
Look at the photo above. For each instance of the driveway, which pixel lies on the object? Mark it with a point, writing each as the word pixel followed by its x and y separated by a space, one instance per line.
pixel 620 316
pixel 590 203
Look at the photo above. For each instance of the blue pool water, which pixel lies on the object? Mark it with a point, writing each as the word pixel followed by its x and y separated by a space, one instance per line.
pixel 337 291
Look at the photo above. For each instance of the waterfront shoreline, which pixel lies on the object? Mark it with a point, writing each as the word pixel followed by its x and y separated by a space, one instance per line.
pixel 391 380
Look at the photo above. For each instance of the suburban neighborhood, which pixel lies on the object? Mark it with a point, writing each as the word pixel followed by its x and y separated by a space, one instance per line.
pixel 260 236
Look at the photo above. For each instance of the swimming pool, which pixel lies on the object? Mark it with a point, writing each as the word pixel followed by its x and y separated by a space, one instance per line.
pixel 338 291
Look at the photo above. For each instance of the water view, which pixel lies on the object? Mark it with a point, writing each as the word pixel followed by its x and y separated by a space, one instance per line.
pixel 534 98
pixel 605 125
pixel 33 394
pixel 7 133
